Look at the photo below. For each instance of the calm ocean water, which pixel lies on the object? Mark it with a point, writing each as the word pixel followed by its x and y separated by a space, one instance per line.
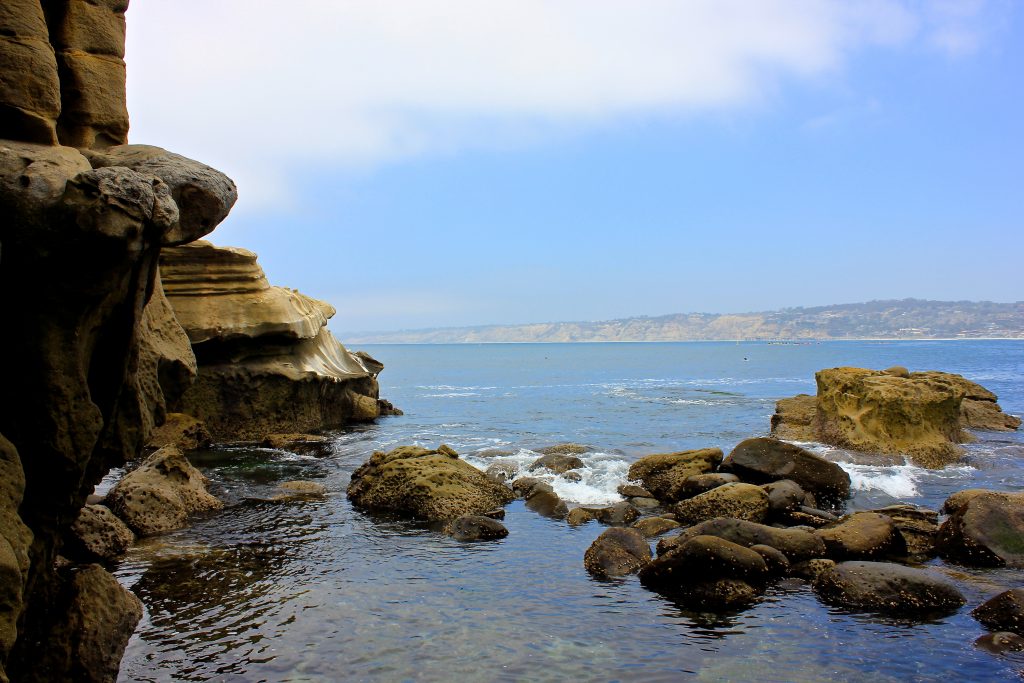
pixel 317 591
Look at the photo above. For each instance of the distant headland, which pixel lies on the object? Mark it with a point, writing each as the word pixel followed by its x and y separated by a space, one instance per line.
pixel 889 319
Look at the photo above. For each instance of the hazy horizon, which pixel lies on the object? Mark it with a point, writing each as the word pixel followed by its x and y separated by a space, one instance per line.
pixel 423 165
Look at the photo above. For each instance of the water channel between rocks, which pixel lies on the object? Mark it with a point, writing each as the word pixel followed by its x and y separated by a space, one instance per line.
pixel 315 590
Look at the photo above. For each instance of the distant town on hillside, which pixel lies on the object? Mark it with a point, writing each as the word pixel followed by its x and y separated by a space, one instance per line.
pixel 893 319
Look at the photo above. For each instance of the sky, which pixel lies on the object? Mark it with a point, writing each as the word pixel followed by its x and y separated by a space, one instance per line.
pixel 428 163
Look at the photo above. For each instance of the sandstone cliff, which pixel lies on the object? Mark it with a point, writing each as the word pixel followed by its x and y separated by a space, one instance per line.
pixel 267 362
pixel 93 357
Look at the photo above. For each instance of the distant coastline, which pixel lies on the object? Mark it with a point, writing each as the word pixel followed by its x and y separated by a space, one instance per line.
pixel 891 320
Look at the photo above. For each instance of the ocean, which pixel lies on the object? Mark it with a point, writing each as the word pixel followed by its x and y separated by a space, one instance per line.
pixel 315 590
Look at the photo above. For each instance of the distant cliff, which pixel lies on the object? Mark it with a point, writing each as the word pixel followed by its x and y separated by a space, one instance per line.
pixel 903 319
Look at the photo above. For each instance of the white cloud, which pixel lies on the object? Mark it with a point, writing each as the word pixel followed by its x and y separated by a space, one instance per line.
pixel 257 88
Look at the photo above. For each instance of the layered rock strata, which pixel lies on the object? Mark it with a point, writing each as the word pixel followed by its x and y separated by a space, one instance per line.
pixel 95 357
pixel 922 415
pixel 267 362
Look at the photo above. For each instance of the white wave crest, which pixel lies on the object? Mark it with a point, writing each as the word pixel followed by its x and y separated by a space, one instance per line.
pixel 600 475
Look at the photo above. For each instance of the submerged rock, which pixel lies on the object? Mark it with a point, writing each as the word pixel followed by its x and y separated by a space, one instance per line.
pixel 985 528
pixel 664 474
pixel 427 484
pixel 558 463
pixel 1000 642
pixel 159 495
pixel 617 552
pixel 737 500
pixel 886 587
pixel 762 460
pixel 303 444
pixel 476 528
pixel 1004 612
pixel 300 490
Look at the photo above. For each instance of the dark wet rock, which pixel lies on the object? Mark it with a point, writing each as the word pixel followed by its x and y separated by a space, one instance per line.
pixel 476 528
pixel 861 536
pixel 737 500
pixel 794 418
pixel 617 552
pixel 634 491
pixel 1004 612
pixel 1000 642
pixel 646 503
pixel 522 486
pixel 428 484
pixel 496 513
pixel 985 529
pixel 300 490
pixel 564 449
pixel 303 444
pixel 578 516
pixel 796 544
pixel 618 514
pixel 161 493
pixel 558 463
pixel 812 569
pixel 784 495
pixel 774 559
pixel 957 502
pixel 655 526
pixel 762 460
pixel 97 621
pixel 887 587
pixel 543 500
pixel 572 476
pixel 702 483
pixel 183 431
pixel 703 558
pixel 98 535
pixel 664 474
pixel 502 472
pixel 918 526
pixel 811 517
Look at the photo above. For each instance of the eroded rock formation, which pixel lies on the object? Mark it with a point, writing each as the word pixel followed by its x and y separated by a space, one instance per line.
pixel 923 415
pixel 267 362
pixel 91 367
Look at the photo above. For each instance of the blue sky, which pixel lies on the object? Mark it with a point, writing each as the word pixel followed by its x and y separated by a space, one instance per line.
pixel 423 168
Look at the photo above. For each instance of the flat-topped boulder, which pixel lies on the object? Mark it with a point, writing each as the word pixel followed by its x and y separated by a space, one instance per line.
pixel 267 362
pixel 922 415
pixel 665 474
pixel 426 484
pixel 886 587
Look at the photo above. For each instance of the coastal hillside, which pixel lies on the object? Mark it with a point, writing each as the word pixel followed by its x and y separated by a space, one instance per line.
pixel 893 319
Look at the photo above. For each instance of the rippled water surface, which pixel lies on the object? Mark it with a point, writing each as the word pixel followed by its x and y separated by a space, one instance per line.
pixel 313 590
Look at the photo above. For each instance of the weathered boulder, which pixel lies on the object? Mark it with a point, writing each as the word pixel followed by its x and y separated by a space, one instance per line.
pixel 763 460
pixel 502 471
pixel 774 559
pixel 794 418
pixel 267 362
pixel 918 526
pixel 578 516
pixel 704 558
pixel 655 526
pixel 521 486
pixel 796 544
pixel 702 483
pixel 183 431
pixel 634 491
pixel 886 587
pixel 985 528
pixel 15 539
pixel 564 449
pixel 159 495
pixel 812 569
pixel 98 535
pixel 96 616
pixel 427 484
pixel 861 536
pixel 30 88
pixel 664 474
pixel 475 528
pixel 300 489
pixel 617 552
pixel 920 414
pixel 303 444
pixel 1000 642
pixel 556 462
pixel 737 500
pixel 784 495
pixel 542 499
pixel 1004 612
